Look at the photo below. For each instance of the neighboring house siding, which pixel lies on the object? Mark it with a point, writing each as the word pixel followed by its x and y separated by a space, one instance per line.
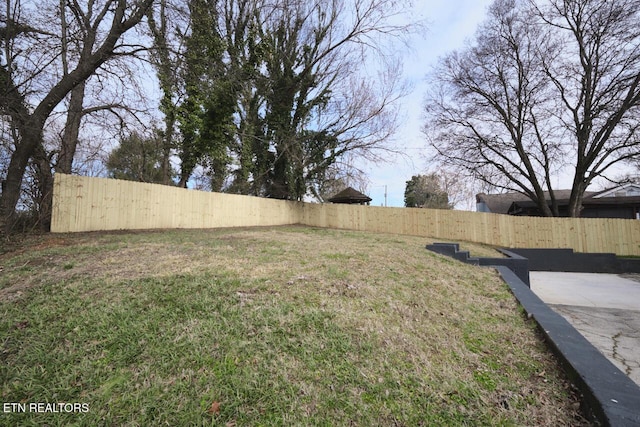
pixel 609 212
pixel 482 207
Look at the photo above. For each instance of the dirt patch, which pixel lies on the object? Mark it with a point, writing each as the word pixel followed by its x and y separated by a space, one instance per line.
pixel 52 243
pixel 254 253
pixel 453 328
pixel 14 292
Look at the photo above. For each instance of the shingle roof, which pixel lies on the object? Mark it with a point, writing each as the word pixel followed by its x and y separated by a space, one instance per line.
pixel 350 195
pixel 500 203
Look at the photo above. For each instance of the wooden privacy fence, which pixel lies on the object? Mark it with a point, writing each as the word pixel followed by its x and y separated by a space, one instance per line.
pixel 89 204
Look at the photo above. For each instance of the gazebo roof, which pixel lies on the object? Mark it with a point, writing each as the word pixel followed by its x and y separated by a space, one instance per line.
pixel 350 196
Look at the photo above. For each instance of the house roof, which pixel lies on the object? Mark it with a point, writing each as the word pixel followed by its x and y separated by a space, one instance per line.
pixel 529 207
pixel 500 203
pixel 625 190
pixel 350 195
pixel 511 203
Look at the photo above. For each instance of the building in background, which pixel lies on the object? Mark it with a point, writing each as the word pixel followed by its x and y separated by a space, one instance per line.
pixel 618 202
pixel 351 196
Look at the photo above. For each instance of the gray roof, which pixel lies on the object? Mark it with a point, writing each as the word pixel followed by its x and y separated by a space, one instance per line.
pixel 350 195
pixel 500 203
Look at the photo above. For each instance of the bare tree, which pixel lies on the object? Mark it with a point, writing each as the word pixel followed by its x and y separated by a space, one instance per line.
pixel 340 175
pixel 460 190
pixel 33 82
pixel 541 90
pixel 598 83
pixel 275 92
pixel 318 104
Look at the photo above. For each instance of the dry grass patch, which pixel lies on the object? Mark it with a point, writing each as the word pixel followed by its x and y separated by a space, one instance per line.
pixel 272 326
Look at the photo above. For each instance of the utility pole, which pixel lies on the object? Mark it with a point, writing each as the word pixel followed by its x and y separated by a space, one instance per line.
pixel 385 196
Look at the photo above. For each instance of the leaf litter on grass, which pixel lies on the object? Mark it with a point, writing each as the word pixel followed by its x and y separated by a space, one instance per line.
pixel 282 325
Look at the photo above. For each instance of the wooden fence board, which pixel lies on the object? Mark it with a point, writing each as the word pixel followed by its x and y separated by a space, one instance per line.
pixel 89 204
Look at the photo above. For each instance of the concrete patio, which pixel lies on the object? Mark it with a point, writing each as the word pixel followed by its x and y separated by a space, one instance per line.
pixel 604 308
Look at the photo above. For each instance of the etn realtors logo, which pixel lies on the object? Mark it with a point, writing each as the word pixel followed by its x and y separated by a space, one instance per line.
pixel 43 408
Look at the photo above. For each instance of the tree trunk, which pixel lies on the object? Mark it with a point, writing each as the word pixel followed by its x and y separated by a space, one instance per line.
pixel 541 201
pixel 577 195
pixel 167 144
pixel 31 135
pixel 30 125
pixel 45 188
pixel 71 129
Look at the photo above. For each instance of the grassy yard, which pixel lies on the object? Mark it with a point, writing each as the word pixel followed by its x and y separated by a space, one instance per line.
pixel 267 326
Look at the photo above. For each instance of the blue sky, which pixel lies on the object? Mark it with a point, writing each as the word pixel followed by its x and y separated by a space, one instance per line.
pixel 449 24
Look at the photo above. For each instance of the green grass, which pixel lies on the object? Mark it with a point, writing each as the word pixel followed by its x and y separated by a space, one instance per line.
pixel 274 326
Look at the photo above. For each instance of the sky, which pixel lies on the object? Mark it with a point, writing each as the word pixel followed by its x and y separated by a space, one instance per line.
pixel 448 24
